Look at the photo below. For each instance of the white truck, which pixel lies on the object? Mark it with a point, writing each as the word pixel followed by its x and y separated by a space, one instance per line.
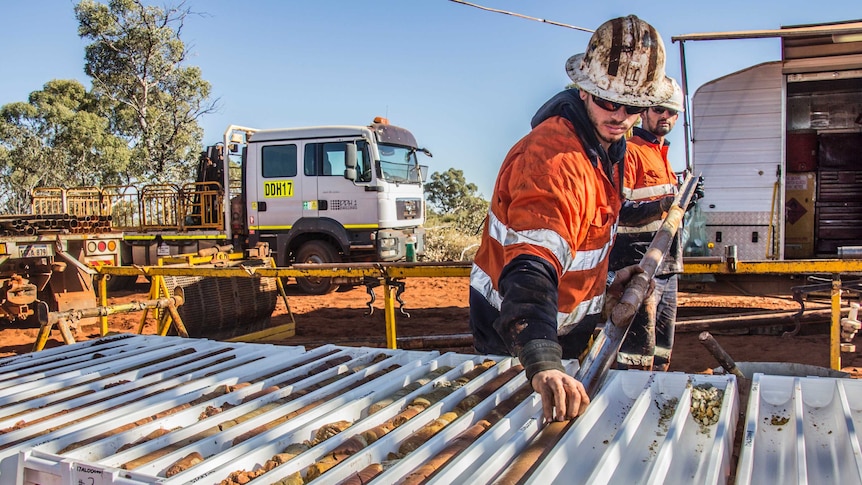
pixel 322 194
pixel 779 145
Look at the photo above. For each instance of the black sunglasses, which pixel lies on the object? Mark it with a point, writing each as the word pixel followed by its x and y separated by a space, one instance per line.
pixel 611 106
pixel 659 110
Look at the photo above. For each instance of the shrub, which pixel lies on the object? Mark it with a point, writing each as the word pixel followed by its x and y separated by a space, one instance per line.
pixel 446 243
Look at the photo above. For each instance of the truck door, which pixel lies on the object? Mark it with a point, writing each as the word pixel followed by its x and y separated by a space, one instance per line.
pixel 278 202
pixel 344 200
pixel 310 171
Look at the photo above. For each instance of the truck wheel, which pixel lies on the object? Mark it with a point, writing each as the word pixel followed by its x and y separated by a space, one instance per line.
pixel 316 252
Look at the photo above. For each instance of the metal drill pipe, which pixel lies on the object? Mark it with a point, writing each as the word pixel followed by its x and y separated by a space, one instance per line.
pixel 73 315
pixel 720 354
pixel 606 345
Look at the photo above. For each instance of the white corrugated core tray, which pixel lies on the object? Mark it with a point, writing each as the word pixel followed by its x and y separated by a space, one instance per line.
pixel 801 430
pixel 74 393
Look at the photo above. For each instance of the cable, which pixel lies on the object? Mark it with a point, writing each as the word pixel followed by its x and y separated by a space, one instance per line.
pixel 522 16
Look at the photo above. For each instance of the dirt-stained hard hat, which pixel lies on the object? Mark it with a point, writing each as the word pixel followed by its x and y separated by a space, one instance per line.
pixel 675 102
pixel 624 63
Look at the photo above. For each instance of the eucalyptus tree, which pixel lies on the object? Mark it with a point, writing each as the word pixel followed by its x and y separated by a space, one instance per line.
pixel 137 62
pixel 56 139
pixel 456 200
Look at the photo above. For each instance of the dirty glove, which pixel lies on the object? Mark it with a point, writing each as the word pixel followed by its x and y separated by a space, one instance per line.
pixel 697 195
pixel 666 202
pixel 617 282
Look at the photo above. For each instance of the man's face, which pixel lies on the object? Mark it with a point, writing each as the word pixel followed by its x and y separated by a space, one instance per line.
pixel 659 120
pixel 610 124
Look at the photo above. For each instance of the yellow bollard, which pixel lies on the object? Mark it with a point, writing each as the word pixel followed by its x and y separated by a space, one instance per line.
pixel 389 313
pixel 835 328
pixel 103 301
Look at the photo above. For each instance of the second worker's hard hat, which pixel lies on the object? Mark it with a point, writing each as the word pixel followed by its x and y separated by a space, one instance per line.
pixel 624 63
pixel 675 102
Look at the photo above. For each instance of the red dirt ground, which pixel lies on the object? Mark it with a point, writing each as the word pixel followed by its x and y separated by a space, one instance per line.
pixel 438 306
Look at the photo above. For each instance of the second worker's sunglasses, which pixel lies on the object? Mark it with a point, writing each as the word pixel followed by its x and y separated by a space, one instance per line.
pixel 611 106
pixel 659 110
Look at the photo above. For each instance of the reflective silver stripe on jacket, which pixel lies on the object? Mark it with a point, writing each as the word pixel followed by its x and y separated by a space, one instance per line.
pixel 481 282
pixel 592 306
pixel 545 238
pixel 551 240
pixel 644 193
pixel 653 226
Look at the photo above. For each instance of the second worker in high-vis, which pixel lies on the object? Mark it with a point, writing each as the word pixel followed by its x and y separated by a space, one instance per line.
pixel 650 187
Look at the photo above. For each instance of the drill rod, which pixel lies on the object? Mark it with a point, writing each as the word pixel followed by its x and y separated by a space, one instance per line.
pixel 610 338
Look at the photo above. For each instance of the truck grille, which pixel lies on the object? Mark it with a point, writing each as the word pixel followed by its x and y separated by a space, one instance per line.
pixel 407 209
pixel 130 409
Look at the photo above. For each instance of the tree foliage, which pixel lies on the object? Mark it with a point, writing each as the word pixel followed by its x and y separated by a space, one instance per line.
pixel 56 139
pixel 455 200
pixel 138 122
pixel 136 63
pixel 449 192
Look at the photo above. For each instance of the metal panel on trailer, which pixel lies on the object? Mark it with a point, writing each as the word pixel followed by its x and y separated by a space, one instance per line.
pixel 737 127
pixel 800 216
pixel 748 231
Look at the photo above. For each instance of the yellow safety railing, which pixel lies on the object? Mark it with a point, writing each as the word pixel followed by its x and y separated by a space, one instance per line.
pixel 192 206
pixel 389 273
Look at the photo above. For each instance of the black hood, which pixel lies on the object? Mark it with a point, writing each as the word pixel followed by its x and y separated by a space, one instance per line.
pixel 569 105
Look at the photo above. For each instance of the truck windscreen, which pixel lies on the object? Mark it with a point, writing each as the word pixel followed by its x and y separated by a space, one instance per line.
pixel 398 164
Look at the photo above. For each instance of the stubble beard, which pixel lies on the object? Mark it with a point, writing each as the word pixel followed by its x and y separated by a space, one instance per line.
pixel 658 129
pixel 661 130
pixel 596 124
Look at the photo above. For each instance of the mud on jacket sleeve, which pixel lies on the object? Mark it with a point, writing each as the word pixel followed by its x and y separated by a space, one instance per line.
pixel 528 313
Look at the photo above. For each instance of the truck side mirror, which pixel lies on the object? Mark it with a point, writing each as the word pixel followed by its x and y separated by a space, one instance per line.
pixel 350 162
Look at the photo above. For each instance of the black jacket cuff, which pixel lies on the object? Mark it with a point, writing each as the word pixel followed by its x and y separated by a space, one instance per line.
pixel 539 355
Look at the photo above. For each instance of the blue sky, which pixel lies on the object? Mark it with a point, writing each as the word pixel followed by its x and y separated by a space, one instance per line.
pixel 465 81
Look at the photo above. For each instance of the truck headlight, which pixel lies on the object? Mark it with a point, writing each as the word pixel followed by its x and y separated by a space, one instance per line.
pixel 388 242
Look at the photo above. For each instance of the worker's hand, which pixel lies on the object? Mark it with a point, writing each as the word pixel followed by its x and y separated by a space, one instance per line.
pixel 666 202
pixel 615 290
pixel 622 277
pixel 563 397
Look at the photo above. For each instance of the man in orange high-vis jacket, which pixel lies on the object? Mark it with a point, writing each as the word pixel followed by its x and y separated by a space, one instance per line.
pixel 650 187
pixel 538 280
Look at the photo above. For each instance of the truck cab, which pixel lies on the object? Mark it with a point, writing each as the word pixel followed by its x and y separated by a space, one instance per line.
pixel 330 194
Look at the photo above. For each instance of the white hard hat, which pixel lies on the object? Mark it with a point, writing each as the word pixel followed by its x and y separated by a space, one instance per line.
pixel 624 63
pixel 675 102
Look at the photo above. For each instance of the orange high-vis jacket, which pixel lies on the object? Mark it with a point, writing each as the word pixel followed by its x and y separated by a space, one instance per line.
pixel 551 202
pixel 648 177
pixel 648 174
